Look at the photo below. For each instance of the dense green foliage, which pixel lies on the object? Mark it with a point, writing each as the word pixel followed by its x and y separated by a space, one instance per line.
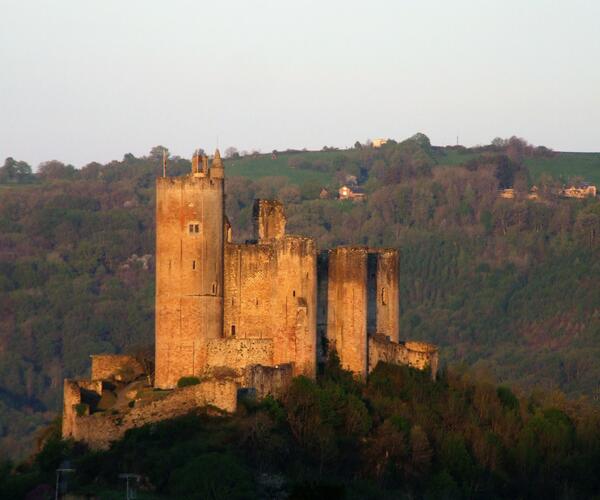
pixel 398 436
pixel 187 381
pixel 508 285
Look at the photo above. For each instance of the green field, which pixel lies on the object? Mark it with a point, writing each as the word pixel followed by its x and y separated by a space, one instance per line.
pixel 265 166
pixel 453 157
pixel 566 166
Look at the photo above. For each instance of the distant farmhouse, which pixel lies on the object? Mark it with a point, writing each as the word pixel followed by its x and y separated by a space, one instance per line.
pixel 377 143
pixel 583 191
pixel 580 192
pixel 355 194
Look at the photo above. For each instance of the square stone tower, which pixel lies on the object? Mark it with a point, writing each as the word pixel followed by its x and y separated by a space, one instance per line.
pixel 189 269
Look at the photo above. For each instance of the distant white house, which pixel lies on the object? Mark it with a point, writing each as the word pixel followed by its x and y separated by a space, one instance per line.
pixel 354 194
pixel 377 143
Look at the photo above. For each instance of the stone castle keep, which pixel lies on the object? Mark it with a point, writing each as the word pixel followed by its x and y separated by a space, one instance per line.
pixel 235 316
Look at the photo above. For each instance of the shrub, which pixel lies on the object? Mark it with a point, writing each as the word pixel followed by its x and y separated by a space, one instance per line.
pixel 81 409
pixel 187 381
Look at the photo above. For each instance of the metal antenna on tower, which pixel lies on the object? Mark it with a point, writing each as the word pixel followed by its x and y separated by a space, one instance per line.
pixel 164 162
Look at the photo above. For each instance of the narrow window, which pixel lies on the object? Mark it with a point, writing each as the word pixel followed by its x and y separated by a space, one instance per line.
pixel 383 297
pixel 232 301
pixel 191 228
pixel 294 293
pixel 196 228
pixel 214 288
pixel 233 330
pixel 256 301
pixel 193 264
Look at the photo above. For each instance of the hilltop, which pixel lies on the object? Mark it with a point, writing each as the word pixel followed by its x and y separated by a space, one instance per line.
pixel 400 435
pixel 508 286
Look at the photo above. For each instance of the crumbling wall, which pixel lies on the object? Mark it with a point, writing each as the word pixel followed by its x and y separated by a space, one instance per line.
pixel 78 398
pixel 347 307
pixel 268 380
pixel 294 318
pixel 118 366
pixel 388 295
pixel 269 220
pixel 100 429
pixel 418 355
pixel 237 354
pixel 270 292
pixel 250 276
pixel 422 355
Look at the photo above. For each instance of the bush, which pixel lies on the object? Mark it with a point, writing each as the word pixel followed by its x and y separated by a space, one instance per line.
pixel 81 409
pixel 187 381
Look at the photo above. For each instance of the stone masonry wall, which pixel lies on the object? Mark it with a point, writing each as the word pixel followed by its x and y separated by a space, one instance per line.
pixel 100 429
pixel 269 220
pixel 418 355
pixel 268 380
pixel 270 292
pixel 239 353
pixel 189 273
pixel 105 366
pixel 347 307
pixel 387 298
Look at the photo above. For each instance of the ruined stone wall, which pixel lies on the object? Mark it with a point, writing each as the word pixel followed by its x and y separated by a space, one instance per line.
pixel 347 307
pixel 418 355
pixel 76 400
pixel 100 429
pixel 118 366
pixel 237 353
pixel 270 292
pixel 422 355
pixel 295 313
pixel 269 220
pixel 268 380
pixel 189 273
pixel 388 295
pixel 250 274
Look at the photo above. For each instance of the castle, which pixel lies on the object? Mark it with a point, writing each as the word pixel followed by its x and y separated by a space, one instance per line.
pixel 248 316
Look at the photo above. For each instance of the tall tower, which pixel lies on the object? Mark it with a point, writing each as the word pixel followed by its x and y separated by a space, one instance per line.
pixel 189 269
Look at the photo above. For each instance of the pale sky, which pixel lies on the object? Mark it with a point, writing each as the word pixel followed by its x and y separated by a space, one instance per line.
pixel 85 80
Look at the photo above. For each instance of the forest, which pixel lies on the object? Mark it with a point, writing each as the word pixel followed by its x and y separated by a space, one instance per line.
pixel 400 435
pixel 506 287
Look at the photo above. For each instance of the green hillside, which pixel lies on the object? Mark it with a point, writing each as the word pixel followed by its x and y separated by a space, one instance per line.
pixel 565 166
pixel 278 165
pixel 509 286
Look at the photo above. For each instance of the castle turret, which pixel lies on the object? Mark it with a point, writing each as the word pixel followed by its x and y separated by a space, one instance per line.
pixel 189 271
pixel 216 168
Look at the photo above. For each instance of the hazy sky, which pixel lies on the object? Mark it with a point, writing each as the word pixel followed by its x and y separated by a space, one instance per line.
pixel 84 80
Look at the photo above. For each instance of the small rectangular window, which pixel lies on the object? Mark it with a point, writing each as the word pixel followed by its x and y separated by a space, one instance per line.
pixel 196 228
pixel 193 264
pixel 233 330
pixel 191 228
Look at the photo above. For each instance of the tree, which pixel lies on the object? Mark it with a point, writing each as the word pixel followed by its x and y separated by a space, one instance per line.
pixel 55 169
pixel 232 152
pixel 156 153
pixel 15 171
